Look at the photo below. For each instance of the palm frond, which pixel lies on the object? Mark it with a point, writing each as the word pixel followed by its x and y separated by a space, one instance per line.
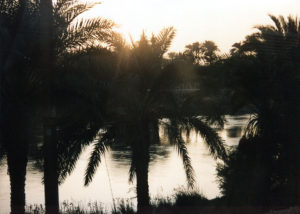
pixel 100 147
pixel 163 40
pixel 84 33
pixel 72 140
pixel 68 162
pixel 211 137
pixel 72 33
pixel 284 24
pixel 292 25
pixel 174 133
pixel 277 23
pixel 117 42
pixel 70 11
pixel 183 153
pixel 95 158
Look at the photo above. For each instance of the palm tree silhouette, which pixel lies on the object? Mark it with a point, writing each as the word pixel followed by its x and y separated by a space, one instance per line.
pixel 69 36
pixel 278 50
pixel 270 85
pixel 203 53
pixel 24 82
pixel 142 100
pixel 19 87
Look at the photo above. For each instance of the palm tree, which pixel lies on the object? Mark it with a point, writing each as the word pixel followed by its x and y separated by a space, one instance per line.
pixel 202 53
pixel 66 36
pixel 276 49
pixel 143 101
pixel 270 82
pixel 279 47
pixel 21 61
pixel 18 89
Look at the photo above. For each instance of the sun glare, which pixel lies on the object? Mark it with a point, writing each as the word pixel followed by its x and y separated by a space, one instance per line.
pixel 133 17
pixel 224 22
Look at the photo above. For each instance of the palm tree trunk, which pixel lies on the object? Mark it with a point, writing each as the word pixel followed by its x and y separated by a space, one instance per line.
pixel 142 187
pixel 154 132
pixel 17 151
pixel 17 162
pixel 142 165
pixel 50 169
pixel 15 132
pixel 50 139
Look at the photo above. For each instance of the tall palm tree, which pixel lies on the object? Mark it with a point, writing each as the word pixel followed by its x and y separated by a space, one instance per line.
pixel 22 93
pixel 276 49
pixel 143 101
pixel 18 88
pixel 271 86
pixel 68 36
pixel 279 47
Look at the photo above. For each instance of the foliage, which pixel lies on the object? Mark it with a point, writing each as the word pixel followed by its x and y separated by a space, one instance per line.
pixel 188 199
pixel 251 190
pixel 271 86
pixel 204 53
pixel 142 100
pixel 77 45
pixel 151 106
pixel 24 83
pixel 82 103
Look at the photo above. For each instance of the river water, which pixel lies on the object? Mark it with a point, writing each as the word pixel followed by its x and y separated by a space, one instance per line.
pixel 166 173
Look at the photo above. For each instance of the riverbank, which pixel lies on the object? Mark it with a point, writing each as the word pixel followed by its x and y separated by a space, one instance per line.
pixel 182 202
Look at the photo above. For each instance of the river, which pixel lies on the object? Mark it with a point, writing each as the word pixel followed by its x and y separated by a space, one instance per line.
pixel 165 173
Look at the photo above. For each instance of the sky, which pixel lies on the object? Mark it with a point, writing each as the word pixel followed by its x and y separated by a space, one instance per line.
pixel 222 21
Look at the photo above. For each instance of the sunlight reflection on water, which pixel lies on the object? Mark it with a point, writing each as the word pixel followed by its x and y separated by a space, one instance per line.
pixel 165 174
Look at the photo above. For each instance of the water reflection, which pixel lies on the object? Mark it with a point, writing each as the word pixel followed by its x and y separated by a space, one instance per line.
pixel 234 132
pixel 165 172
pixel 122 154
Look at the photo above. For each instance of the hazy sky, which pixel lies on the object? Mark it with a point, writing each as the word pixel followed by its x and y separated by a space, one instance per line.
pixel 223 21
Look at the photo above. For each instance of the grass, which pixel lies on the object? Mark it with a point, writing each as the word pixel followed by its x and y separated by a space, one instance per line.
pixel 123 207
pixel 182 202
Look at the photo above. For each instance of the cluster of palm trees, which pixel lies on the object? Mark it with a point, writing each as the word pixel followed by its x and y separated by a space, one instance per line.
pixel 56 74
pixel 82 84
pixel 199 53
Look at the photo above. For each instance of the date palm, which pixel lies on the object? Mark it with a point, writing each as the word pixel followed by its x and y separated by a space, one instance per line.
pixel 203 53
pixel 19 86
pixel 142 101
pixel 270 83
pixel 23 81
pixel 276 49
pixel 278 46
pixel 69 36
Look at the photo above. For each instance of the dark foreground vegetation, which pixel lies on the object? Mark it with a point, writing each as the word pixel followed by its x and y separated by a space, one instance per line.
pixel 68 83
pixel 181 202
